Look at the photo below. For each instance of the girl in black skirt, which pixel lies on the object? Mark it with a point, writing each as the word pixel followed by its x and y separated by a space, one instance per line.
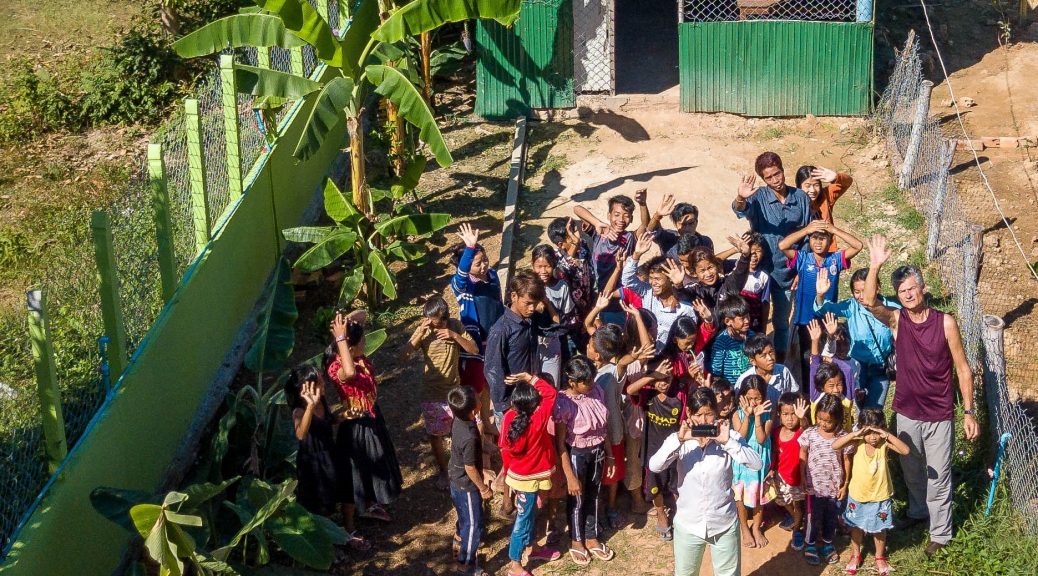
pixel 362 435
pixel 320 484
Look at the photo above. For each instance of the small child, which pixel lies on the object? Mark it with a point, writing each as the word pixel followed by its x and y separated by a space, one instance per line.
pixel 826 473
pixel 761 353
pixel 725 397
pixel 529 456
pixel 551 348
pixel 325 476
pixel 608 239
pixel 580 435
pixel 663 405
pixel 829 380
pixel 468 490
pixel 820 357
pixel 476 286
pixel 574 258
pixel 869 505
pixel 706 281
pixel 605 350
pixel 753 422
pixel 686 220
pixel 785 474
pixel 684 349
pixel 440 339
pixel 807 262
pixel 727 359
pixel 757 289
pixel 837 350
pixel 659 294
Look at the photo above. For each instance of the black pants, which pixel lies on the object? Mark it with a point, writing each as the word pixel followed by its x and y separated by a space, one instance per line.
pixel 582 511
pixel 822 515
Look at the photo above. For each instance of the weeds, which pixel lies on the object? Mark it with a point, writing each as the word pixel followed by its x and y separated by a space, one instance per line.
pixel 771 133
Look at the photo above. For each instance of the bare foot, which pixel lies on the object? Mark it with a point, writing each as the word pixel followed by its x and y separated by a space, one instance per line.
pixel 759 538
pixel 748 541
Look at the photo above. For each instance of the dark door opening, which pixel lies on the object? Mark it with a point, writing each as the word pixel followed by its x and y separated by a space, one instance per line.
pixel 646 46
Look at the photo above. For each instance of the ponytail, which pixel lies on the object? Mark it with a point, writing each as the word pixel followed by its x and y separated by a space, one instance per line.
pixel 525 399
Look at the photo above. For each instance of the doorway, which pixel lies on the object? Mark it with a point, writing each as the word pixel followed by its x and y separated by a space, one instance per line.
pixel 646 46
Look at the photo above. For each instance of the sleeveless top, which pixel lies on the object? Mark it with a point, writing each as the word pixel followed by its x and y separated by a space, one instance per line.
pixel 924 369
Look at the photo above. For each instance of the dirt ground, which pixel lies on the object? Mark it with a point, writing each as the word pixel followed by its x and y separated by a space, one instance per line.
pixel 999 81
pixel 643 143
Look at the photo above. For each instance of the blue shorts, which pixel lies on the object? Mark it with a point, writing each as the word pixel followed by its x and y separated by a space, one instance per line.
pixel 869 517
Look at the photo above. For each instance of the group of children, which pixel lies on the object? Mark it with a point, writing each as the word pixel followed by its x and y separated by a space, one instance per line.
pixel 579 377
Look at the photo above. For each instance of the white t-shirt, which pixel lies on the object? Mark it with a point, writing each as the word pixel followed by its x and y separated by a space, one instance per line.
pixel 758 284
pixel 781 381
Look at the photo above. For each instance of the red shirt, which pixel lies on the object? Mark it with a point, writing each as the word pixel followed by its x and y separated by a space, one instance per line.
pixel 358 393
pixel 787 456
pixel 532 455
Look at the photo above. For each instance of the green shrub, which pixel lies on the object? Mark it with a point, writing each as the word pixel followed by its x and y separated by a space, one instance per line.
pixel 133 81
pixel 34 103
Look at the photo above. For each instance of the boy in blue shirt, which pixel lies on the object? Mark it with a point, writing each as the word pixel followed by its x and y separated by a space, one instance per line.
pixel 807 261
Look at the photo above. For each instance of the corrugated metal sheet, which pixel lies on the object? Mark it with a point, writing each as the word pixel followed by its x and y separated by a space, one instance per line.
pixel 776 68
pixel 528 66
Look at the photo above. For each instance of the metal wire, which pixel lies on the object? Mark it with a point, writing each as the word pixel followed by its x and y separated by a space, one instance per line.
pixel 593 46
pixel 735 10
pixel 934 194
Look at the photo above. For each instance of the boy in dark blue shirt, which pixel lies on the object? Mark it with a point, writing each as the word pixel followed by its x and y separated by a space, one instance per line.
pixel 466 475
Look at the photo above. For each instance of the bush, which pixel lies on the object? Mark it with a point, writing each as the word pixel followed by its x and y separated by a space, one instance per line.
pixel 35 103
pixel 133 81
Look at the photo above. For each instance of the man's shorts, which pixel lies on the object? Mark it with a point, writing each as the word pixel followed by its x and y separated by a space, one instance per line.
pixel 438 418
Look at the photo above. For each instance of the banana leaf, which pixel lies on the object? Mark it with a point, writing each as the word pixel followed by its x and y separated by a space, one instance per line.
pixel 328 111
pixel 265 83
pixel 275 336
pixel 425 15
pixel 240 30
pixel 300 18
pixel 392 84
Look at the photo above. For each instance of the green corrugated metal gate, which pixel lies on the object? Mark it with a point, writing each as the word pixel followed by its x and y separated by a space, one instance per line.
pixel 776 68
pixel 529 65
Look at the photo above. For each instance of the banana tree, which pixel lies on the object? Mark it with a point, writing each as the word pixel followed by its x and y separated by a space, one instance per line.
pixel 342 94
pixel 369 244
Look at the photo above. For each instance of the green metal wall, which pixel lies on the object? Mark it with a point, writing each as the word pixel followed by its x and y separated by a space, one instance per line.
pixel 527 66
pixel 776 68
pixel 136 433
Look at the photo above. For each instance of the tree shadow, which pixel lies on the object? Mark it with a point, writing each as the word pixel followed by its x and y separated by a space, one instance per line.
pixel 1000 225
pixel 965 165
pixel 594 192
pixel 1022 309
pixel 625 126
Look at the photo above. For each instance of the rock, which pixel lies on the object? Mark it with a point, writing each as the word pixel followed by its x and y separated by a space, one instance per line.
pixel 947 102
pixel 967 102
pixel 991 241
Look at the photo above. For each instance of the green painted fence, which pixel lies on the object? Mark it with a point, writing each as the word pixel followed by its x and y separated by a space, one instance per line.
pixel 776 68
pixel 527 66
pixel 136 433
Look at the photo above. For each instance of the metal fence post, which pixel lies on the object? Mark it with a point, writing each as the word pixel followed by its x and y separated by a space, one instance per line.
pixel 108 289
pixel 230 126
pixel 937 207
pixel 163 224
pixel 51 415
pixel 196 169
pixel 297 61
pixel 915 142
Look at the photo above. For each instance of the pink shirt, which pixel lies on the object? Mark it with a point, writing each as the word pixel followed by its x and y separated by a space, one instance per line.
pixel 585 417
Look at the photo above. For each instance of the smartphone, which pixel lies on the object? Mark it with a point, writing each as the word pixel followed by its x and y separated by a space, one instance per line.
pixel 704 430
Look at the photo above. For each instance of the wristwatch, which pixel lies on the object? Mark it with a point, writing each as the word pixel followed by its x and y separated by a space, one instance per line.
pixel 970 412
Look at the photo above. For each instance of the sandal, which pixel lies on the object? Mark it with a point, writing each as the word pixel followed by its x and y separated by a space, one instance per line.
pixel 613 518
pixel 523 573
pixel 603 553
pixel 545 553
pixel 885 568
pixel 376 512
pixel 357 542
pixel 829 553
pixel 853 564
pixel 811 555
pixel 579 557
pixel 666 533
pixel 798 540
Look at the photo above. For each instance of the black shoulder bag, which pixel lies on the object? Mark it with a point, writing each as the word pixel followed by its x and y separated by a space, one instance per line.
pixel 890 362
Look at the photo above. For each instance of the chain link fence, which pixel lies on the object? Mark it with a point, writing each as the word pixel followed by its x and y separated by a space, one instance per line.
pixel 809 10
pixel 921 155
pixel 593 40
pixel 71 286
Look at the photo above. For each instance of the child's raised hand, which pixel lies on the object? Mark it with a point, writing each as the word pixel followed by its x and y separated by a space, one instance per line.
pixel 606 232
pixel 338 326
pixel 740 244
pixel 602 302
pixel 878 253
pixel 643 353
pixel 705 380
pixel 814 330
pixel 746 185
pixel 311 394
pixel 621 257
pixel 822 282
pixel 640 195
pixel 665 367
pixel 831 325
pixel 519 377
pixel 643 245
pixel 667 207
pixel 703 310
pixel 573 231
pixel 744 405
pixel 724 431
pixel 824 174
pixel 674 271
pixel 685 430
pixel 800 408
pixel 468 235
pixel 762 408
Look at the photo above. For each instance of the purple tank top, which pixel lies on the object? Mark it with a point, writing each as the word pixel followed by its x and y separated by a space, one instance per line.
pixel 924 369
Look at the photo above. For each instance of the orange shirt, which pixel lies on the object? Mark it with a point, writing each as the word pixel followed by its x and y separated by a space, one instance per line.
pixel 823 205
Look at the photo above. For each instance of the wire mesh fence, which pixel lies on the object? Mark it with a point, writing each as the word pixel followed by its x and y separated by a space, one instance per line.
pixel 810 10
pixel 593 46
pixel 70 281
pixel 921 156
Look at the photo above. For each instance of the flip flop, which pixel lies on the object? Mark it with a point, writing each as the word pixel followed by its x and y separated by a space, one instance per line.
pixel 603 553
pixel 376 512
pixel 579 557
pixel 545 553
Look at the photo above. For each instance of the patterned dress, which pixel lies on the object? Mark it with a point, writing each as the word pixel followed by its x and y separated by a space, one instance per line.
pixel 748 485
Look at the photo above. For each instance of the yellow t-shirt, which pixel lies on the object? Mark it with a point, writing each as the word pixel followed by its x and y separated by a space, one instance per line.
pixel 848 416
pixel 870 476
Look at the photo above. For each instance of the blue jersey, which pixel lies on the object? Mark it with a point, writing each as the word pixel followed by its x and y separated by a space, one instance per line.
pixel 807 271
